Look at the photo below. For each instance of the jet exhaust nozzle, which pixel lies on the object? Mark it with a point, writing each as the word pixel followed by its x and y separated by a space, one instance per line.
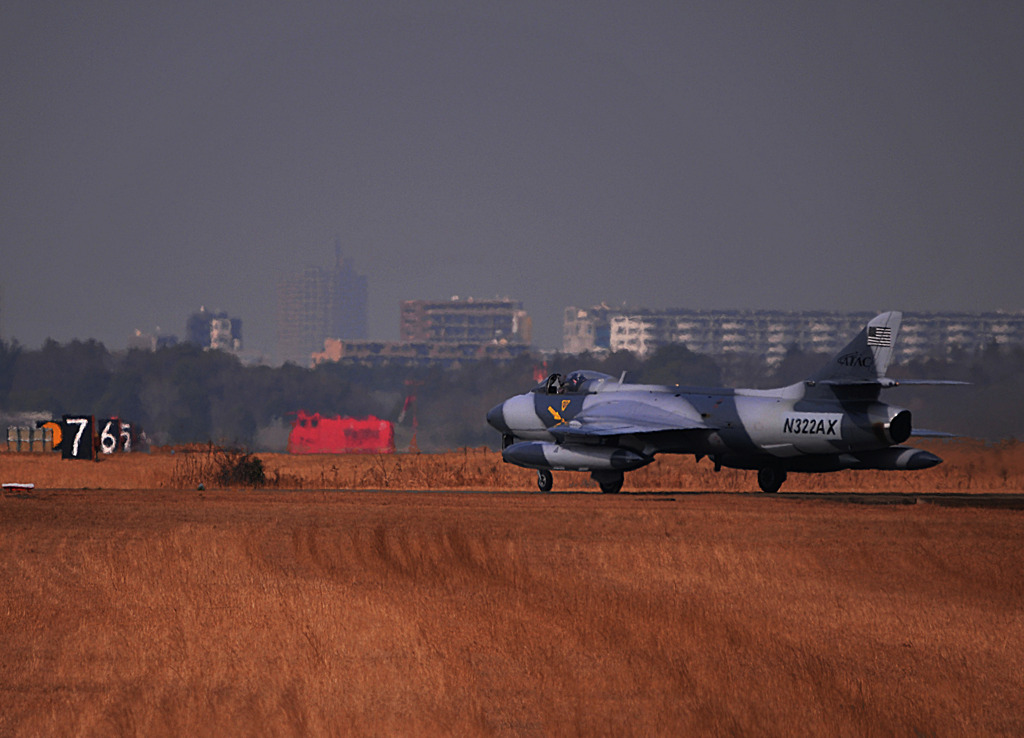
pixel 545 455
pixel 900 427
pixel 893 425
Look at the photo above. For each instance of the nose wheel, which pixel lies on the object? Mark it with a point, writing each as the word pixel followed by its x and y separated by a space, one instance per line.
pixel 545 480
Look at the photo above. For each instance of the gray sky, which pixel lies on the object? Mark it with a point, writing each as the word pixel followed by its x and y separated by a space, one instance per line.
pixel 155 157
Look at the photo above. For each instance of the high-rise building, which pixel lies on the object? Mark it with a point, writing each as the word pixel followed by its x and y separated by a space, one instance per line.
pixel 468 321
pixel 318 304
pixel 214 330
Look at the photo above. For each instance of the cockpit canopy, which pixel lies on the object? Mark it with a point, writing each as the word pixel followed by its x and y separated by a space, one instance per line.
pixel 580 381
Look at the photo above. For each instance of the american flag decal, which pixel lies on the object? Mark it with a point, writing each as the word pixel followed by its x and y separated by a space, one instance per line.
pixel 879 336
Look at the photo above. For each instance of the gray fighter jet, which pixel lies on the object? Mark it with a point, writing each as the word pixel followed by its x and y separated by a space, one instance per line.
pixel 588 421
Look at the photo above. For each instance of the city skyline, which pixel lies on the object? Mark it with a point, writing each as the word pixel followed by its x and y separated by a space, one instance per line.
pixel 782 157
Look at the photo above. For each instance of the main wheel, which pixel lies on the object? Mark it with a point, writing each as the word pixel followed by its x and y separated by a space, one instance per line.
pixel 610 482
pixel 770 479
pixel 545 480
pixel 613 487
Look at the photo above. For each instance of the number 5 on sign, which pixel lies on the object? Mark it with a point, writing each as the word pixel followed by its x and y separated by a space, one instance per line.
pixel 77 433
pixel 126 437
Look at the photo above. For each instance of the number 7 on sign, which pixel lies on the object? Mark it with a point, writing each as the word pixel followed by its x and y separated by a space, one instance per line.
pixel 81 439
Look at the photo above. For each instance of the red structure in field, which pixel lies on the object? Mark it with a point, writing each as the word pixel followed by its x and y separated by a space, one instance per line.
pixel 316 434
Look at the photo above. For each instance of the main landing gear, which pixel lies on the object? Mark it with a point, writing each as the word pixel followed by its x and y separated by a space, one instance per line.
pixel 610 482
pixel 770 479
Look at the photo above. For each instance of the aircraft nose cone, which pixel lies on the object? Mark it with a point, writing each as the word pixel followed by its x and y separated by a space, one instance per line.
pixel 496 418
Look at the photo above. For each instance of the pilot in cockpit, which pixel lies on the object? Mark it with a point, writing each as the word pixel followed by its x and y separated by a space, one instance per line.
pixel 572 383
pixel 554 385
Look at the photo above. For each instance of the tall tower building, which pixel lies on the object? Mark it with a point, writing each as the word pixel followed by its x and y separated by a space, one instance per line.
pixel 347 300
pixel 317 304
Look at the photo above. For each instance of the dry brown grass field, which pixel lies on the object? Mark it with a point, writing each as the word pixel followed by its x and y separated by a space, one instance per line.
pixel 141 609
pixel 970 466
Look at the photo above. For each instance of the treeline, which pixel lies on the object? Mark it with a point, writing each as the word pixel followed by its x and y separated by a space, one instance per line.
pixel 183 394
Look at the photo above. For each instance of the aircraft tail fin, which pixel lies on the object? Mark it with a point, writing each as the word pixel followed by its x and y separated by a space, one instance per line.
pixel 866 358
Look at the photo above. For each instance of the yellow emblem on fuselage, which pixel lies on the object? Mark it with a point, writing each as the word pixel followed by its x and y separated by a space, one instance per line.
pixel 558 416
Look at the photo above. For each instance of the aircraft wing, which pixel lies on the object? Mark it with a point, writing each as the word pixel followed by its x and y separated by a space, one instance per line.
pixel 620 418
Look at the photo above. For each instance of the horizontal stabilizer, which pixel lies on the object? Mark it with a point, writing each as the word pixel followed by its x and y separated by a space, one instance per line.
pixel 887 382
pixel 925 433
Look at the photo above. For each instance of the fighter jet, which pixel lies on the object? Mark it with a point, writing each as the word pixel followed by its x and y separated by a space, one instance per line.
pixel 590 422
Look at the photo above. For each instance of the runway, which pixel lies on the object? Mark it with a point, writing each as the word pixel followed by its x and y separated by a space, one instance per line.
pixel 981 500
pixel 986 500
pixel 1002 501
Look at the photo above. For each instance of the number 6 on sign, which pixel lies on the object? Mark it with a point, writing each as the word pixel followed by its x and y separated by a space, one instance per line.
pixel 109 434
